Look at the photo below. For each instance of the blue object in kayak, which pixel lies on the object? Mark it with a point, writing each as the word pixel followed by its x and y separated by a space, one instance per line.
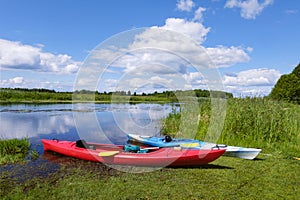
pixel 166 141
pixel 134 149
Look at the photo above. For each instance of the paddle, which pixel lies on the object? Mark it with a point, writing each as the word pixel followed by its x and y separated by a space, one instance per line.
pixel 108 153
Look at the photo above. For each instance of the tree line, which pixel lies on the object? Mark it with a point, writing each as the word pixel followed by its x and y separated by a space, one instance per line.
pixel 41 94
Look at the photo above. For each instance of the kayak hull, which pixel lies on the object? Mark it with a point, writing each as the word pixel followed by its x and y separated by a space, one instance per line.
pixel 242 152
pixel 232 151
pixel 156 157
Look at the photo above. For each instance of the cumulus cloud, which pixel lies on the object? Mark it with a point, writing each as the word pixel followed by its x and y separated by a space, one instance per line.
pixel 253 82
pixel 195 30
pixel 152 55
pixel 185 5
pixel 16 81
pixel 250 9
pixel 169 52
pixel 252 91
pixel 228 56
pixel 253 77
pixel 36 82
pixel 194 80
pixel 15 55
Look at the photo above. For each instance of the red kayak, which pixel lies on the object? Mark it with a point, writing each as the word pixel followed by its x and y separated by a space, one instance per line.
pixel 119 155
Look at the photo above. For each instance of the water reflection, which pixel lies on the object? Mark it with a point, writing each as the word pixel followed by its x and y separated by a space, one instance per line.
pixel 93 122
pixel 29 125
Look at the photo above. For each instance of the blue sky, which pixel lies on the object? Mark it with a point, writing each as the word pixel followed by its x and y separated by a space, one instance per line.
pixel 251 42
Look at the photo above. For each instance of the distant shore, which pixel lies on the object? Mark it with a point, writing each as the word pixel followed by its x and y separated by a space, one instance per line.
pixel 24 95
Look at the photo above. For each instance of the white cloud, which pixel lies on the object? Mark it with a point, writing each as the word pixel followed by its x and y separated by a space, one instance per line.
pixel 252 91
pixel 198 14
pixel 167 52
pixel 253 82
pixel 195 30
pixel 253 77
pixel 185 5
pixel 17 80
pixel 15 55
pixel 221 56
pixel 35 82
pixel 195 79
pixel 250 9
pixel 228 56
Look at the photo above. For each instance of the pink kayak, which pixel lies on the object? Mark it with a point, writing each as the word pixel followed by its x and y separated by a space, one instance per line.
pixel 148 156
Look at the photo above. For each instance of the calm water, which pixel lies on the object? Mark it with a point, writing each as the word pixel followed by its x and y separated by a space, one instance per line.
pixel 104 123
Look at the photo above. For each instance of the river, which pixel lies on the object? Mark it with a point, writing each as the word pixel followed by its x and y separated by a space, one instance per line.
pixel 102 123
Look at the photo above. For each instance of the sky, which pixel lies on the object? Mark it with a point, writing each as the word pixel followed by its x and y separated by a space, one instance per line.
pixel 151 45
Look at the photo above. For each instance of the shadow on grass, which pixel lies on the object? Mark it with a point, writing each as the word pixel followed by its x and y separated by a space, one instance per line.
pixel 206 166
pixel 258 159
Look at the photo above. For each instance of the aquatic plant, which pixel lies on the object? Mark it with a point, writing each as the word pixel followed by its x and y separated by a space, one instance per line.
pixel 13 150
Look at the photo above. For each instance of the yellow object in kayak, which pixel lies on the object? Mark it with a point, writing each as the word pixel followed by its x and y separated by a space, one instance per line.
pixel 108 153
pixel 190 144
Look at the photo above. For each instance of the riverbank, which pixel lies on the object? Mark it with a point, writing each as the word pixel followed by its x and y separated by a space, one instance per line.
pixel 268 177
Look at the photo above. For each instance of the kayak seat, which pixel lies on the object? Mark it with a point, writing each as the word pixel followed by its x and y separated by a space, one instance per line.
pixel 82 144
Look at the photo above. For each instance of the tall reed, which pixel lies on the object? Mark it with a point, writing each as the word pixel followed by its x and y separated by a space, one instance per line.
pixel 250 122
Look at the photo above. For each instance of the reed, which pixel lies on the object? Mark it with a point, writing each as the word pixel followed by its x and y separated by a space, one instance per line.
pixel 250 122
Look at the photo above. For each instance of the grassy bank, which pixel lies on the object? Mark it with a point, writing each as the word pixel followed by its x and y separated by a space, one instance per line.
pixel 269 177
pixel 13 150
pixel 249 122
pixel 40 95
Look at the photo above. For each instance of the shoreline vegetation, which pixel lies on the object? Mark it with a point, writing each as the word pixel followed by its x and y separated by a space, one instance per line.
pixel 273 126
pixel 13 150
pixel 24 95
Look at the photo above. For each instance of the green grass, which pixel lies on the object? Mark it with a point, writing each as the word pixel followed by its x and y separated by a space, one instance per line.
pixel 269 177
pixel 13 150
pixel 249 122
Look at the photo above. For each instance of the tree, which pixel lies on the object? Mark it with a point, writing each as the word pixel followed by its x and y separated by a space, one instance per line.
pixel 296 71
pixel 287 87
